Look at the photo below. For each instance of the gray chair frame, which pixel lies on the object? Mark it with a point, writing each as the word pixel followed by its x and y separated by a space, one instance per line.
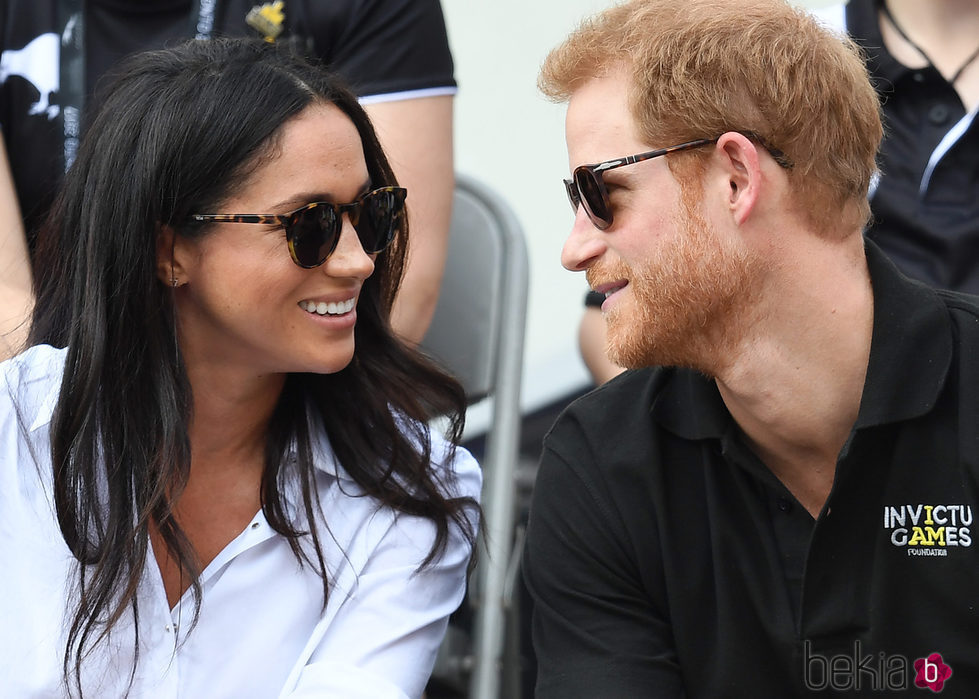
pixel 478 334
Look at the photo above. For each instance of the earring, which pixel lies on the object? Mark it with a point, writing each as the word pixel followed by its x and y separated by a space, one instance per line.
pixel 174 283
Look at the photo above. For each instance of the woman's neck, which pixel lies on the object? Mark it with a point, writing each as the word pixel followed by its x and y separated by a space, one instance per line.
pixel 230 415
pixel 943 32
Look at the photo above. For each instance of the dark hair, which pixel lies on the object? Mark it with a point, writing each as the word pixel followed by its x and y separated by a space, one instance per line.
pixel 178 129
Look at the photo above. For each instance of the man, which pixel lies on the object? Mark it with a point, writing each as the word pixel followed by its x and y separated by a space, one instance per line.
pixel 786 505
pixel 923 59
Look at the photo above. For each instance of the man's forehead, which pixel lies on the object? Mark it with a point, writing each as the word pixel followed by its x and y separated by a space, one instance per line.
pixel 599 124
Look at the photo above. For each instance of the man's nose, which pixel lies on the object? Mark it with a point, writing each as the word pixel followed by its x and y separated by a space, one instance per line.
pixel 584 245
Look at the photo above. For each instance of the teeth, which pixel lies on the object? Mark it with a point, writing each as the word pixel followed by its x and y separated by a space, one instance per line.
pixel 323 308
pixel 613 290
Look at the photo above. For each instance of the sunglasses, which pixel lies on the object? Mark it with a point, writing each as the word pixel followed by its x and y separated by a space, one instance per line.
pixel 586 186
pixel 313 231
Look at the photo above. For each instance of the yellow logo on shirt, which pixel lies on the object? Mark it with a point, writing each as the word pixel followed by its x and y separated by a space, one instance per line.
pixel 267 19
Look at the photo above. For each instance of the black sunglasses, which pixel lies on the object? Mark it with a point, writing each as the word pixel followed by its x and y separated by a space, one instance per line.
pixel 587 187
pixel 313 231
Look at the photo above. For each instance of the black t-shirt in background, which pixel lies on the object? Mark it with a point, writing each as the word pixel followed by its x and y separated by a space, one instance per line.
pixel 379 48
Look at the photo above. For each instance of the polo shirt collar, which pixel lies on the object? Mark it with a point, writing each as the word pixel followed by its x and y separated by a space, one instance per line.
pixel 911 346
pixel 910 355
pixel 862 24
pixel 690 406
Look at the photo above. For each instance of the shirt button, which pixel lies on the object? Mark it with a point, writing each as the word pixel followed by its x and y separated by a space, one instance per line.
pixel 784 504
pixel 919 78
pixel 938 114
pixel 254 525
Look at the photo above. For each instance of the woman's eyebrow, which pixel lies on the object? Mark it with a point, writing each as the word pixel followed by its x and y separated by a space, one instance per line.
pixel 302 198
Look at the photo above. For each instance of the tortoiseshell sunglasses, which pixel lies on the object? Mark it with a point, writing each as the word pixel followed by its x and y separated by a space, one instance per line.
pixel 587 187
pixel 313 231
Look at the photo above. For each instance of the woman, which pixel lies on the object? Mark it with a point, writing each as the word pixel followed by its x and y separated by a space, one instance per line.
pixel 224 485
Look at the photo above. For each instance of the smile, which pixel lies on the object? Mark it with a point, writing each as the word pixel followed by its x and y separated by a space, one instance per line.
pixel 332 308
pixel 610 288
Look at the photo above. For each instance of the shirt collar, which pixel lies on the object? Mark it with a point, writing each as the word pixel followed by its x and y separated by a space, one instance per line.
pixel 324 458
pixel 863 25
pixel 690 406
pixel 46 409
pixel 910 354
pixel 43 365
pixel 911 346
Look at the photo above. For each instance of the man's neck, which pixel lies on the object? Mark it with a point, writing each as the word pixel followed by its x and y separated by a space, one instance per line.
pixel 794 386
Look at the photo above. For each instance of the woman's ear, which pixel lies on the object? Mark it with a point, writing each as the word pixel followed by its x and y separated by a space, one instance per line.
pixel 168 268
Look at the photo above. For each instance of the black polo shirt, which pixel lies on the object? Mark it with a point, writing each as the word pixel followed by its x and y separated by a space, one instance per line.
pixel 666 560
pixel 926 206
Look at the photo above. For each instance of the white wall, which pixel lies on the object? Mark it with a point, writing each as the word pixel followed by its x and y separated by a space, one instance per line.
pixel 509 136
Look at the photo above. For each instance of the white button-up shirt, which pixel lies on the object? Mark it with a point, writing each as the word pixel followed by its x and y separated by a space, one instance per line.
pixel 262 630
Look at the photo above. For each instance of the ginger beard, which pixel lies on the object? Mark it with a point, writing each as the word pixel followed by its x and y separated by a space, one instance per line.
pixel 689 300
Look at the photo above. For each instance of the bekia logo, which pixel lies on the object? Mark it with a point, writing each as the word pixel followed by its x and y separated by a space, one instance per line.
pixel 860 671
pixel 932 672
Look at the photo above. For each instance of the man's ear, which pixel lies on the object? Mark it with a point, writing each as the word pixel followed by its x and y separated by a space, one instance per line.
pixel 741 165
pixel 168 267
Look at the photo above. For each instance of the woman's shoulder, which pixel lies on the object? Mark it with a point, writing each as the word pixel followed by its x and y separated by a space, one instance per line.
pixel 35 363
pixel 465 477
pixel 29 387
pixel 454 467
pixel 29 384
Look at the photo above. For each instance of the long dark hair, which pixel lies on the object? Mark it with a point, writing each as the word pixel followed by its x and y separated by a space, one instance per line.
pixel 176 132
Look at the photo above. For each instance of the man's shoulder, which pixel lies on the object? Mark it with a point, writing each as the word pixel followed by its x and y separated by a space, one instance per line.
pixel 968 304
pixel 630 392
pixel 963 310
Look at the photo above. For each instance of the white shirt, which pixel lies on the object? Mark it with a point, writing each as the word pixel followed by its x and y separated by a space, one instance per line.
pixel 262 630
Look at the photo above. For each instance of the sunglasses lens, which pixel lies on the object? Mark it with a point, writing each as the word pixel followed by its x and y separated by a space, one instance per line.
pixel 314 231
pixel 314 235
pixel 593 197
pixel 380 217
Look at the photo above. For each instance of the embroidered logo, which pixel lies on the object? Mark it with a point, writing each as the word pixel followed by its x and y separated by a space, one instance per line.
pixel 931 672
pixel 267 19
pixel 928 530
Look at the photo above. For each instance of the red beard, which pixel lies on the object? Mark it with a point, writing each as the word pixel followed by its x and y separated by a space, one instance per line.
pixel 686 305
